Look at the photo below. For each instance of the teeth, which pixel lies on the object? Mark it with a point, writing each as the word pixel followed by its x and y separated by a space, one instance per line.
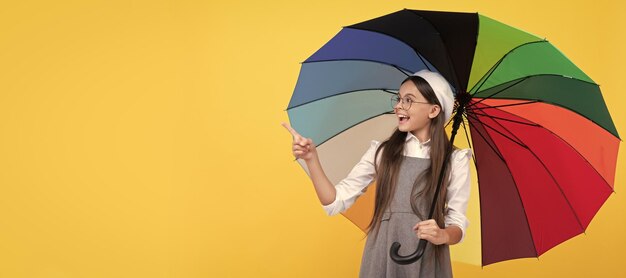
pixel 402 116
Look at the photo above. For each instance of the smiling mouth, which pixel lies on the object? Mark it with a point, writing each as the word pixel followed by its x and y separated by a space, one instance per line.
pixel 403 119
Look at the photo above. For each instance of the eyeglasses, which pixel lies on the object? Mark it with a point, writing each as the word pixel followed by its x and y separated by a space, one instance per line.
pixel 405 103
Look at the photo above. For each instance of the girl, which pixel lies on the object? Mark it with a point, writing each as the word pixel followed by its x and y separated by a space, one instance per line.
pixel 406 168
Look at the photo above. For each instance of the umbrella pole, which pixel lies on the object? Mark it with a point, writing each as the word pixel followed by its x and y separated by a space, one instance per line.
pixel 463 99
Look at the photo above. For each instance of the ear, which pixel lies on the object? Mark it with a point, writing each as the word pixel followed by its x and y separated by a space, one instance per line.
pixel 434 111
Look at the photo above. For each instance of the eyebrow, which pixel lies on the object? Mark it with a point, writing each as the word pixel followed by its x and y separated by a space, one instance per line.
pixel 407 94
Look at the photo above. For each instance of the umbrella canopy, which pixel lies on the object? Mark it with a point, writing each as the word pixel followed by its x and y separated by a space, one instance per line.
pixel 545 146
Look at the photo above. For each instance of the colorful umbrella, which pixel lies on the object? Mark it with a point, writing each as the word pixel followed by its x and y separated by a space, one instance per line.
pixel 545 146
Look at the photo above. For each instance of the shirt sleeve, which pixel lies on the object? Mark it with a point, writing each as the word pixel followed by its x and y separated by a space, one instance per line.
pixel 458 190
pixel 355 184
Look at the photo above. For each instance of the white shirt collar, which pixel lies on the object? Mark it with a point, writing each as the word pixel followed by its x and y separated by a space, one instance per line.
pixel 414 148
pixel 410 136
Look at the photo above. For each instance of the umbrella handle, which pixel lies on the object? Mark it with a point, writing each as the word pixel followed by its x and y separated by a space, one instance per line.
pixel 404 260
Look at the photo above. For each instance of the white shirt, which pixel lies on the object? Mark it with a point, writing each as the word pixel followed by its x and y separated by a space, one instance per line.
pixel 363 173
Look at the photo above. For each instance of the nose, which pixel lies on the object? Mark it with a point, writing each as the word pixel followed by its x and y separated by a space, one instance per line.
pixel 398 105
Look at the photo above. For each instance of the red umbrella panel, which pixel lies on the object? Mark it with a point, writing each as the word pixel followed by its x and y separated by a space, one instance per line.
pixel 548 188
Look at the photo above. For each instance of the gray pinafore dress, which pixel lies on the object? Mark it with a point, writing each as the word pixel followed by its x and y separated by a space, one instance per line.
pixel 397 225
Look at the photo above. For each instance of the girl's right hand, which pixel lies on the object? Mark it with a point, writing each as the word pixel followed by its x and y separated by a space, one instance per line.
pixel 303 148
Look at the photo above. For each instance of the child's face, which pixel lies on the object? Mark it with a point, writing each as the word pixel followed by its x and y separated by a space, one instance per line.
pixel 419 114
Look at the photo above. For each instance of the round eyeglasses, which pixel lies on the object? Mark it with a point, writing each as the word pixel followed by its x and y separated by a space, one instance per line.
pixel 405 103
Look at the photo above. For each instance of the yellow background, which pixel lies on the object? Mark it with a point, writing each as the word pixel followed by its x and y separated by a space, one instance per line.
pixel 143 138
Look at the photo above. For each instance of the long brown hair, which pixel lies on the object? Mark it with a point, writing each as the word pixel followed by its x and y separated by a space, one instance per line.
pixel 392 157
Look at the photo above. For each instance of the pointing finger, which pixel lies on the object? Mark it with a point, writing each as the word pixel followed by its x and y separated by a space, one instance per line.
pixel 293 132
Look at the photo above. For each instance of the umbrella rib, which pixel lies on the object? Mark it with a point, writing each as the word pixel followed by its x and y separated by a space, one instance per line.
pixel 549 173
pixel 507 120
pixel 336 134
pixel 492 128
pixel 391 92
pixel 508 87
pixel 493 148
pixel 549 103
pixel 530 233
pixel 493 69
pixel 423 60
pixel 341 93
pixel 402 70
pixel 505 105
pixel 495 66
pixel 587 161
pixel 581 115
pixel 394 37
pixel 546 74
pixel 520 80
pixel 363 60
pixel 489 72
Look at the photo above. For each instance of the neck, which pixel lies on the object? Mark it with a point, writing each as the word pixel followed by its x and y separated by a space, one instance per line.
pixel 422 134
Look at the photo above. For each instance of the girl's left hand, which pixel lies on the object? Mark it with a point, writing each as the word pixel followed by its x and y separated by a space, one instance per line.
pixel 429 230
